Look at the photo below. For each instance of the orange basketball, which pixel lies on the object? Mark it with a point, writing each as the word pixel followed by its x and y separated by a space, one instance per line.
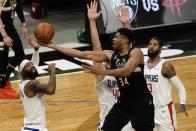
pixel 44 32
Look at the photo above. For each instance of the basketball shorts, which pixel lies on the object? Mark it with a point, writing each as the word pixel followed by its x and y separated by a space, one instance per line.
pixel 165 118
pixel 127 127
pixel 139 112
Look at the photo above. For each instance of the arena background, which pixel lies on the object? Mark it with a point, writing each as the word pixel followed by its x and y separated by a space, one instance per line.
pixel 74 106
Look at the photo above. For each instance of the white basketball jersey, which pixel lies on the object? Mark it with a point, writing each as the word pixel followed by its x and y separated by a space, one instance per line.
pixel 158 85
pixel 107 94
pixel 34 109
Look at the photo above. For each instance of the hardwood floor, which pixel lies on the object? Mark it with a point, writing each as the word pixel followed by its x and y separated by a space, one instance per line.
pixel 74 107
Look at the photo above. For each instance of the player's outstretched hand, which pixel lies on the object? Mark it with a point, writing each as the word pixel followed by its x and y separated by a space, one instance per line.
pixel 92 11
pixel 49 45
pixel 24 31
pixel 93 69
pixel 124 14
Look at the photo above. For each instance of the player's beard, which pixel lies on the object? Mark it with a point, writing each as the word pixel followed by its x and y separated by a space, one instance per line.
pixel 31 75
pixel 153 54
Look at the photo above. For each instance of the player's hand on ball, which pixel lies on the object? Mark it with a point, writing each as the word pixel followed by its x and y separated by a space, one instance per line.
pixel 43 43
pixel 35 45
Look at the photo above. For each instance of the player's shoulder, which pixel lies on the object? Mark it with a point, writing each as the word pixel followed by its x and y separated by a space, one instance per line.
pixel 137 51
pixel 32 83
pixel 109 51
pixel 168 69
pixel 137 54
pixel 166 64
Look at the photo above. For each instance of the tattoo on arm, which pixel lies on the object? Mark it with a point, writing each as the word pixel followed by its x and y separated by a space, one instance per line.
pixel 37 87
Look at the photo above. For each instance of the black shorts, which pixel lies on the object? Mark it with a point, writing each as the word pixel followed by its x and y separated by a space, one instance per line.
pixel 139 112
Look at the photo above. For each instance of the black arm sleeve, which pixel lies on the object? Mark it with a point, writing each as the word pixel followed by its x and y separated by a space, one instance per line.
pixel 19 11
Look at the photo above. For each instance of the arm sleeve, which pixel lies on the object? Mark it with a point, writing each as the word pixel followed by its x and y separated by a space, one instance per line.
pixel 19 11
pixel 180 87
pixel 35 58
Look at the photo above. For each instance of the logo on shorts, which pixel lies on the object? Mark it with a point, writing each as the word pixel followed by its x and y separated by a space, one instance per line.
pixel 132 5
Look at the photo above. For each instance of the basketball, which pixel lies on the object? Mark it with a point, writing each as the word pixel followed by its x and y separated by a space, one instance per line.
pixel 44 32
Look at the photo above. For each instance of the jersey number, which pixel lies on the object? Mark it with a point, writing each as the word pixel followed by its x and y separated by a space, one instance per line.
pixel 123 82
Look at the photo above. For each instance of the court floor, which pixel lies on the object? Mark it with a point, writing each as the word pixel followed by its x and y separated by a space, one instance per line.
pixel 74 107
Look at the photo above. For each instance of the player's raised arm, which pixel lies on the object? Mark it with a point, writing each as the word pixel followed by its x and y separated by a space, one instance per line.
pixel 98 56
pixel 92 16
pixel 36 87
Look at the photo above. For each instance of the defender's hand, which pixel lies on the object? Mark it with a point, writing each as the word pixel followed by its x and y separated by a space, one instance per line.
pixel 92 11
pixel 24 31
pixel 8 41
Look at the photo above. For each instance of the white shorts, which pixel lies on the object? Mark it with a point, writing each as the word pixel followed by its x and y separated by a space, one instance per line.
pixel 33 129
pixel 128 127
pixel 105 104
pixel 165 118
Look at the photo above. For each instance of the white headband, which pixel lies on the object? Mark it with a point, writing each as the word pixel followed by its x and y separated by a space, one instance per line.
pixel 22 65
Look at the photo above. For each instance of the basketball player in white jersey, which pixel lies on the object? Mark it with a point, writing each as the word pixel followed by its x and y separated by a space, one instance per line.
pixel 32 91
pixel 160 76
pixel 106 86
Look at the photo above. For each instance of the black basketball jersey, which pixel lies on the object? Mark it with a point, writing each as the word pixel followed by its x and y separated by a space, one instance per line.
pixel 8 11
pixel 134 86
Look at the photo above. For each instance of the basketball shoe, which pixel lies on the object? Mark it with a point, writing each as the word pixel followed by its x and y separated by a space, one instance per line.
pixel 8 92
